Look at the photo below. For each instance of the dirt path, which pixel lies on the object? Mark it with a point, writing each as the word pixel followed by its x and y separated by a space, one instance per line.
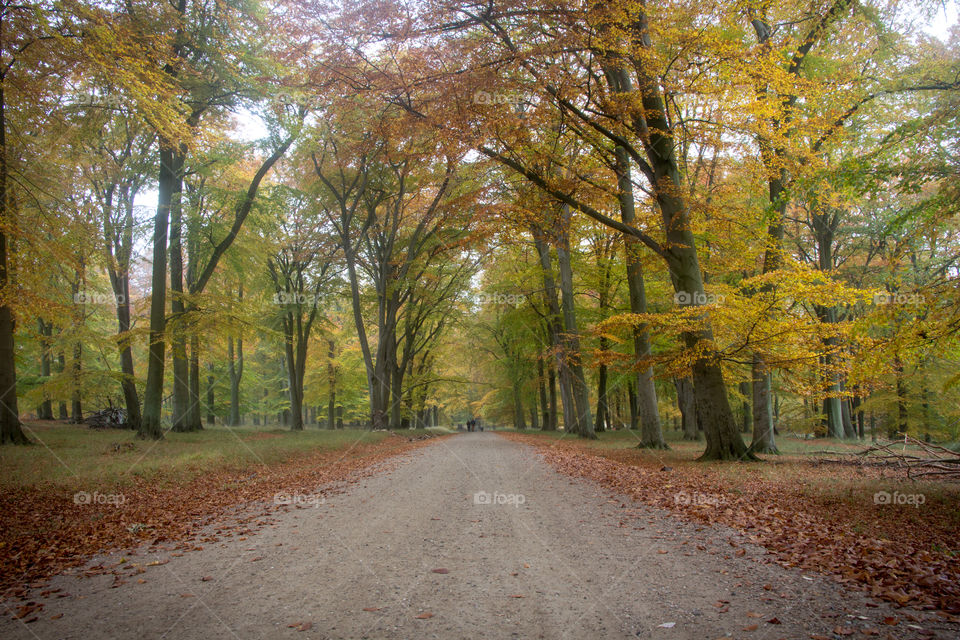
pixel 548 557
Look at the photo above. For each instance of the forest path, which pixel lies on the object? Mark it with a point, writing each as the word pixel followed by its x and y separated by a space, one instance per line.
pixel 524 553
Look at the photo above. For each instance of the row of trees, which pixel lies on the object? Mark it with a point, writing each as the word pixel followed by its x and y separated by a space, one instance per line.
pixel 589 215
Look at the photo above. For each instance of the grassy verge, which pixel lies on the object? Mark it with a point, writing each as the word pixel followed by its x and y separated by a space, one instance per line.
pixel 70 455
pixel 78 492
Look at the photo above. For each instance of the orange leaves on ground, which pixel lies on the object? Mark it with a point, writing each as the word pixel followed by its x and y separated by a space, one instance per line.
pixel 43 530
pixel 797 529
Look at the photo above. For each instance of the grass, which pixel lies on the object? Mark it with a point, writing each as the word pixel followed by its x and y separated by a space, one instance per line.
pixel 65 455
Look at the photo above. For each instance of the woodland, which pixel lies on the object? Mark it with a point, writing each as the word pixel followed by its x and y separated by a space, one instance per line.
pixel 731 220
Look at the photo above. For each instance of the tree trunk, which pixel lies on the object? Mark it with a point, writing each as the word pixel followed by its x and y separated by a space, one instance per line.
pixel 332 382
pixel 902 414
pixel 45 331
pixel 235 362
pixel 560 360
pixel 634 407
pixel 687 403
pixel 552 379
pixel 10 427
pixel 168 197
pixel 519 422
pixel 647 409
pixel 194 419
pixel 294 376
pixel 763 434
pixel 542 387
pixel 602 410
pixel 178 339
pixel 581 393
pixel 76 371
pixel 211 409
pixel 61 369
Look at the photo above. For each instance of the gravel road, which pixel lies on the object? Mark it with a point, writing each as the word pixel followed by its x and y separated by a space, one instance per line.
pixel 472 536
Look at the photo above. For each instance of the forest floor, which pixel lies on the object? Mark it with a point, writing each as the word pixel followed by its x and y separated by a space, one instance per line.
pixel 814 505
pixel 77 491
pixel 472 536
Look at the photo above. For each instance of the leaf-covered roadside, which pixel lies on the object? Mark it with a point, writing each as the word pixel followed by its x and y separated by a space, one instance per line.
pixel 44 532
pixel 793 526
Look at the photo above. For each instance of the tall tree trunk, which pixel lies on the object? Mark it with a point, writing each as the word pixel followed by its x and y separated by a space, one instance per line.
pixel 128 383
pixel 211 409
pixel 848 430
pixel 746 390
pixel 634 407
pixel 10 427
pixel 552 379
pixel 902 423
pixel 178 339
pixel 724 441
pixel 194 420
pixel 687 403
pixel 294 375
pixel 45 331
pixel 62 412
pixel 602 417
pixel 76 362
pixel 646 409
pixel 542 387
pixel 119 246
pixel 235 364
pixel 519 422
pixel 331 382
pixel 581 393
pixel 570 421
pixel 764 440
pixel 168 197
pixel 76 370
